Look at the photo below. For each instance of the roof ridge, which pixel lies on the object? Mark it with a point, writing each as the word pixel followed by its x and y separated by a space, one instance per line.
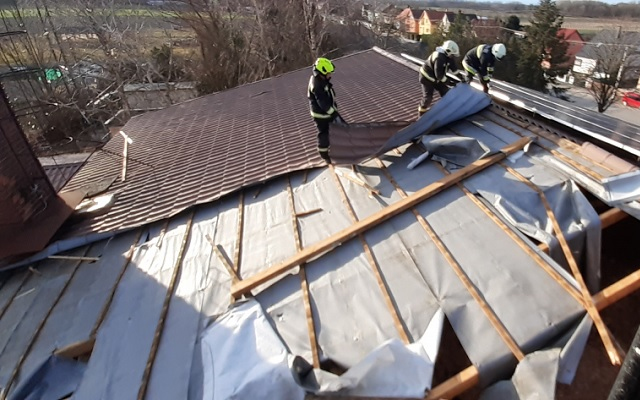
pixel 395 58
pixel 244 85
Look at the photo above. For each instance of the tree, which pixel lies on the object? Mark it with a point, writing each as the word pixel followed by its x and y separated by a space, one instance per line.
pixel 504 69
pixel 544 52
pixel 513 23
pixel 461 32
pixel 610 55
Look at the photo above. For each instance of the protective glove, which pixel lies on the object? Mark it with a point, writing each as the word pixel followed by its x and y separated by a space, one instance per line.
pixel 485 87
pixel 461 77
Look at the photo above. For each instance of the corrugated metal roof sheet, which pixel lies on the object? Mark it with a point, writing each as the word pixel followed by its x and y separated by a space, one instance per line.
pixel 199 150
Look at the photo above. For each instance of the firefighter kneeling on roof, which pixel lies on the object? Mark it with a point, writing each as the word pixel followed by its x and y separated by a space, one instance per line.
pixel 480 61
pixel 322 104
pixel 433 73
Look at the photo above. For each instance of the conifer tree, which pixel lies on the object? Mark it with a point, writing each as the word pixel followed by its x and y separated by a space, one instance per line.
pixel 543 52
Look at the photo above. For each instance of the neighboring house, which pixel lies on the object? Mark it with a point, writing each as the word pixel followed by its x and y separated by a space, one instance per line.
pixel 379 14
pixel 607 49
pixel 575 43
pixel 449 18
pixel 415 23
pixel 430 20
pixel 409 23
pixel 487 29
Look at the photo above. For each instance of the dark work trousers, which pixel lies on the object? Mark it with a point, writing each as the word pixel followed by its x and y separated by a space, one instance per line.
pixel 323 137
pixel 427 91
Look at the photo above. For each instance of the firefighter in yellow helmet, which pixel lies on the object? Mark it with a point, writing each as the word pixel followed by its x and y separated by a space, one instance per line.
pixel 322 103
pixel 433 73
pixel 480 61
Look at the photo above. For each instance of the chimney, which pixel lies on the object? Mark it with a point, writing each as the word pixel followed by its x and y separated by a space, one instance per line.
pixel 25 189
pixel 31 212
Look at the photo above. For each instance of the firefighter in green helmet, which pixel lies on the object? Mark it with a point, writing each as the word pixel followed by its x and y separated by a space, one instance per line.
pixel 322 103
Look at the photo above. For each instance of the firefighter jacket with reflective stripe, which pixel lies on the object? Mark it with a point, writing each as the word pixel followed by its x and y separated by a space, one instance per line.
pixel 321 96
pixel 480 60
pixel 436 65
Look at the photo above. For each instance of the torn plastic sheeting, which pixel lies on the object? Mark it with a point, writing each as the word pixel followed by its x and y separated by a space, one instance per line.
pixel 512 283
pixel 391 370
pixel 522 207
pixel 244 358
pixel 56 378
pixel 361 141
pixel 460 151
pixel 572 351
pixel 534 378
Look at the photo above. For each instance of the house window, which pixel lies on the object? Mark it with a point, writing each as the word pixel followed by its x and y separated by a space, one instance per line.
pixel 578 62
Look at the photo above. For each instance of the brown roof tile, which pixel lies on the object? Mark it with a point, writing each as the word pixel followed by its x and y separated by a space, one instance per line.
pixel 202 149
pixel 60 174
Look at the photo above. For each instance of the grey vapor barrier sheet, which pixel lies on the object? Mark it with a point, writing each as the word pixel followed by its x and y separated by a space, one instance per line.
pixel 353 324
pixel 359 142
pixel 520 205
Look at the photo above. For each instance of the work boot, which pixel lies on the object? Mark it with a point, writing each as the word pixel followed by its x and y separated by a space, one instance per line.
pixel 421 111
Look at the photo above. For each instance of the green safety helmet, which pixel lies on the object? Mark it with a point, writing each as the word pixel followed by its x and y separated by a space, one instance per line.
pixel 324 66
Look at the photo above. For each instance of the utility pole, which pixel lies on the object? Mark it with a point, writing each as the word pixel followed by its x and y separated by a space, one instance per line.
pixel 621 68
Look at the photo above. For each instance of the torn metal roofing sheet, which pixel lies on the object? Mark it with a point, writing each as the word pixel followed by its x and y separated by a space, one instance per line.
pixel 120 297
pixel 599 126
pixel 200 150
pixel 621 134
pixel 359 141
pixel 616 185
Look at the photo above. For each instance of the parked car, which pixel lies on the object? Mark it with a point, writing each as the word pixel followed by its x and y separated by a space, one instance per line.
pixel 631 99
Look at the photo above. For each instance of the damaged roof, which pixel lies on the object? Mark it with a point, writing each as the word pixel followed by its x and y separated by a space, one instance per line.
pixel 197 151
pixel 143 299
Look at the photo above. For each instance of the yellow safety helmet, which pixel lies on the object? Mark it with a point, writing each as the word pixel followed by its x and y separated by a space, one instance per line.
pixel 324 66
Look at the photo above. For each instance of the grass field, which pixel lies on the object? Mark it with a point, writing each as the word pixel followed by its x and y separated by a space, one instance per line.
pixel 588 25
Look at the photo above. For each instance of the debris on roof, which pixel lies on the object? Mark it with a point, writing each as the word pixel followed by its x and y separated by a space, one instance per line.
pixel 356 267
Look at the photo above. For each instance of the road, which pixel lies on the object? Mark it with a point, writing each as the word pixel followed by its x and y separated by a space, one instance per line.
pixel 582 98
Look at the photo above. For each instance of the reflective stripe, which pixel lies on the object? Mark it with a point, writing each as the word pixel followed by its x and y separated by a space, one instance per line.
pixel 422 109
pixel 489 69
pixel 479 50
pixel 320 116
pixel 323 149
pixel 424 73
pixel 329 114
pixel 469 68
